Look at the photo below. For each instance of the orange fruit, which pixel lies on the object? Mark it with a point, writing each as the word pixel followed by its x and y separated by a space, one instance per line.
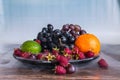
pixel 88 42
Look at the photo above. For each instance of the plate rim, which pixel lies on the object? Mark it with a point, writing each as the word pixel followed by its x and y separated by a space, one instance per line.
pixel 43 61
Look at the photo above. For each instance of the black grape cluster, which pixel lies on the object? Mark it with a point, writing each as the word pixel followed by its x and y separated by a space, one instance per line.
pixel 55 38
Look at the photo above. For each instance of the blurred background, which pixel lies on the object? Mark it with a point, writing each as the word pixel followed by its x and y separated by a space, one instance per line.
pixel 21 20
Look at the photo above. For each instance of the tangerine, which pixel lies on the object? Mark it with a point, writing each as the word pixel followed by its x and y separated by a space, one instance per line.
pixel 88 42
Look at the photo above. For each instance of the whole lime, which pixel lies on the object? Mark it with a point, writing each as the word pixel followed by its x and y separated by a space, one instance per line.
pixel 31 47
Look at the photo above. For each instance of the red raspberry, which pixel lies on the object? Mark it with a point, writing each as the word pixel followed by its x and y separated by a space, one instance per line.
pixel 81 55
pixel 102 63
pixel 39 56
pixel 25 55
pixel 17 52
pixel 55 51
pixel 63 61
pixel 75 49
pixel 89 54
pixel 60 70
pixel 67 51
pixel 46 52
pixel 58 58
pixel 69 57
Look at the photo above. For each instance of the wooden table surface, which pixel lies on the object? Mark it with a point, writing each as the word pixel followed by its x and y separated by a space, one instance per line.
pixel 28 74
pixel 92 72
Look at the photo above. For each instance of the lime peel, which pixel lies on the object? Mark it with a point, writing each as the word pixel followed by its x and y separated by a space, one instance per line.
pixel 31 47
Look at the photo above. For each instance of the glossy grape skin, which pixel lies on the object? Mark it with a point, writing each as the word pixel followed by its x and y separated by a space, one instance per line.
pixel 39 35
pixel 82 32
pixel 50 37
pixel 70 69
pixel 57 33
pixel 65 27
pixel 71 46
pixel 63 39
pixel 77 28
pixel 72 32
pixel 71 39
pixel 43 40
pixel 50 26
pixel 33 57
pixel 71 27
pixel 44 30
pixel 67 34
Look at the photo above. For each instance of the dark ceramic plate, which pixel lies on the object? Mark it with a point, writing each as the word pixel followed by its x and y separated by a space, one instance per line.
pixel 41 62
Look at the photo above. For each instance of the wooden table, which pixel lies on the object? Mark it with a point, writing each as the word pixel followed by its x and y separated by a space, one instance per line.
pixel 92 72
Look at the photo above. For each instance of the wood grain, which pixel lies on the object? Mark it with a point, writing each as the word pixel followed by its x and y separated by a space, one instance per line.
pixel 29 74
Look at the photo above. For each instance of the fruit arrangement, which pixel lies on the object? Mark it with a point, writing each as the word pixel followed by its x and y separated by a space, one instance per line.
pixel 51 38
pixel 60 45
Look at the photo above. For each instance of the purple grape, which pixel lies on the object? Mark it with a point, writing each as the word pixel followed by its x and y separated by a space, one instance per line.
pixel 65 27
pixel 71 26
pixel 76 36
pixel 33 57
pixel 71 46
pixel 40 34
pixel 50 27
pixel 63 39
pixel 49 39
pixel 67 34
pixel 44 30
pixel 70 69
pixel 43 40
pixel 82 32
pixel 57 33
pixel 71 39
pixel 77 28
pixel 72 32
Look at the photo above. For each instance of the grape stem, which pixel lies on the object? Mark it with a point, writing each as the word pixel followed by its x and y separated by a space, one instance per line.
pixel 61 42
